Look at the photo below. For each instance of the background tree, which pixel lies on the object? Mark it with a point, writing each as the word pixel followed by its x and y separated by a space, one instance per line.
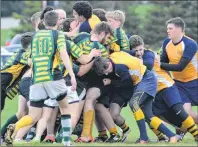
pixel 25 22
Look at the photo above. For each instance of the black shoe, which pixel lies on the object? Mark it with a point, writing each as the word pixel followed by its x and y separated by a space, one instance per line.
pixel 114 138
pixel 101 139
pixel 163 139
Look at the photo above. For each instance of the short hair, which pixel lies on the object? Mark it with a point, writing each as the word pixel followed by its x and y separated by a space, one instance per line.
pixel 66 24
pixel 50 18
pixel 100 65
pixel 26 39
pixel 83 8
pixel 103 27
pixel 41 25
pixel 135 41
pixel 61 11
pixel 36 17
pixel 100 13
pixel 46 10
pixel 177 21
pixel 117 15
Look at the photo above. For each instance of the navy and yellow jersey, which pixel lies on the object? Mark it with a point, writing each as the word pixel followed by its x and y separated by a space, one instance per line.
pixel 135 67
pixel 45 54
pixel 17 65
pixel 89 24
pixel 163 78
pixel 172 54
pixel 86 45
pixel 148 59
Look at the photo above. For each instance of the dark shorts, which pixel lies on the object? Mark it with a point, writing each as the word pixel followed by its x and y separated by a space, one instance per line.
pixel 24 87
pixel 80 85
pixel 105 100
pixel 121 96
pixel 6 78
pixel 171 117
pixel 148 84
pixel 91 79
pixel 188 91
pixel 165 99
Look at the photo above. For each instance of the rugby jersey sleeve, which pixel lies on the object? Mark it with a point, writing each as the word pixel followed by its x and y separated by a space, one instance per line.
pixel 164 56
pixel 61 42
pixel 189 52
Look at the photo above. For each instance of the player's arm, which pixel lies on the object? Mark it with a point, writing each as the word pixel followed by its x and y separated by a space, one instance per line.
pixel 82 69
pixel 123 73
pixel 164 56
pixel 148 59
pixel 84 59
pixel 189 53
pixel 65 58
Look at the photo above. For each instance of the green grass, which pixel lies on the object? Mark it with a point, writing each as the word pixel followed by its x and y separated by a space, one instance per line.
pixel 5 34
pixel 11 108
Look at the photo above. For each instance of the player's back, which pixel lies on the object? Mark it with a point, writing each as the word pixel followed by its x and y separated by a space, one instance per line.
pixel 45 55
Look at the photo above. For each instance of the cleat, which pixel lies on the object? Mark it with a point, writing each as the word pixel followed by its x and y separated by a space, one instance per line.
pixel 9 133
pixel 114 138
pixel 181 133
pixel 83 140
pixel 49 139
pixel 101 139
pixel 139 141
pixel 125 135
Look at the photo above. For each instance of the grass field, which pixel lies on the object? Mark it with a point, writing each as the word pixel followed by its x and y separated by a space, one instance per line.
pixel 11 108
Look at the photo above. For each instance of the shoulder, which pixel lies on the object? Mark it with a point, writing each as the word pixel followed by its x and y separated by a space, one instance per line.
pixel 189 41
pixel 165 42
pixel 81 36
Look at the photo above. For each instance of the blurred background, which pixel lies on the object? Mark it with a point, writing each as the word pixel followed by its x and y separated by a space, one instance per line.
pixel 145 18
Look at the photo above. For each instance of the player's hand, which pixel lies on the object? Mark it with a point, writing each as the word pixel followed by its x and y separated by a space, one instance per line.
pixel 157 58
pixel 106 81
pixel 95 52
pixel 73 83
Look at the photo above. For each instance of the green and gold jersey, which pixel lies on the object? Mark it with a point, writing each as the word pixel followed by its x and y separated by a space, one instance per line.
pixel 74 53
pixel 17 65
pixel 86 45
pixel 45 54
pixel 118 42
pixel 123 40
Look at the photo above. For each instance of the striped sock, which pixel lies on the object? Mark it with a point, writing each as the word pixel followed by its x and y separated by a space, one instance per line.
pixel 66 126
pixel 124 127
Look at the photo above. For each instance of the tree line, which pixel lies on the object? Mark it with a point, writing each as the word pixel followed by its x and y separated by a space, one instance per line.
pixel 145 18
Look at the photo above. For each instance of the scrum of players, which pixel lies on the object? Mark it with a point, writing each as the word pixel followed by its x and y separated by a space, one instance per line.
pixel 72 73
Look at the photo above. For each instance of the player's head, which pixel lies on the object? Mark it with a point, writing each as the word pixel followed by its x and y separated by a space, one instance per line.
pixel 82 11
pixel 137 44
pixel 175 27
pixel 26 39
pixel 100 13
pixel 68 25
pixel 61 16
pixel 46 10
pixel 115 18
pixel 50 19
pixel 103 30
pixel 102 66
pixel 35 19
